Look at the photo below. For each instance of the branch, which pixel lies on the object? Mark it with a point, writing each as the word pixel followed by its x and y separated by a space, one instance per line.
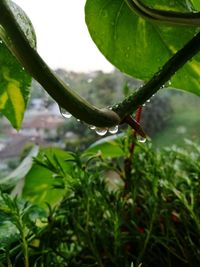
pixel 131 103
pixel 71 101
pixel 38 69
pixel 162 16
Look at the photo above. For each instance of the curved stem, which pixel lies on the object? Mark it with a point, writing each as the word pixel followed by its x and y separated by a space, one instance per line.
pixel 162 16
pixel 70 100
pixel 38 69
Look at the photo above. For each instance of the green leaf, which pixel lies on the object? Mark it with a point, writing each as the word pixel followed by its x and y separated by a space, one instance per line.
pixel 40 181
pixel 196 4
pixel 21 171
pixel 108 146
pixel 14 81
pixel 137 46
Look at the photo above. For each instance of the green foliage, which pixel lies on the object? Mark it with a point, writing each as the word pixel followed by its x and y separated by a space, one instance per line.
pixel 18 219
pixel 137 46
pixel 109 147
pixel 15 82
pixel 41 185
pixel 156 221
pixel 21 171
pixel 106 206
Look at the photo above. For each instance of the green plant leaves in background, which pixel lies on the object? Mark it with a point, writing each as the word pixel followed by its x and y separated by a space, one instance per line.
pixel 139 47
pixel 40 181
pixel 109 147
pixel 21 171
pixel 14 81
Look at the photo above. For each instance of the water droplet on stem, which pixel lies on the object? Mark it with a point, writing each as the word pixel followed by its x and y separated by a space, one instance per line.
pixel 65 113
pixel 113 130
pixel 141 139
pixel 101 131
pixel 92 127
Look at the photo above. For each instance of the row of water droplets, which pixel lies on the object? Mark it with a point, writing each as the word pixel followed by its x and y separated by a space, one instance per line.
pixel 112 130
pixel 167 84
pixel 99 131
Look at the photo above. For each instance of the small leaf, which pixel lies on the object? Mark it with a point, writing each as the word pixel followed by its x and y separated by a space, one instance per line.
pixel 108 146
pixel 14 81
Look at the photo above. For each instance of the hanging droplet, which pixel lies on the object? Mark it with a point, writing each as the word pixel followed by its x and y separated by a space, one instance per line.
pixel 92 127
pixel 169 83
pixel 113 130
pixel 78 120
pixel 141 139
pixel 65 113
pixel 144 105
pixel 148 101
pixel 101 131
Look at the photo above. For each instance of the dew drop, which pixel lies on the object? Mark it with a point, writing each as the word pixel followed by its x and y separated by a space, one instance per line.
pixel 169 83
pixel 101 131
pixel 78 120
pixel 92 127
pixel 141 139
pixel 113 130
pixel 65 113
pixel 148 101
pixel 144 105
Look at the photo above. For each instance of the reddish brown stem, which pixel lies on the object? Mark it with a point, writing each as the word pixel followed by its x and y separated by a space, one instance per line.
pixel 137 130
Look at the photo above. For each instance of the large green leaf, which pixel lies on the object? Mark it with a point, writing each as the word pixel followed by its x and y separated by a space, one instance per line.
pixel 20 172
pixel 39 182
pixel 14 81
pixel 139 47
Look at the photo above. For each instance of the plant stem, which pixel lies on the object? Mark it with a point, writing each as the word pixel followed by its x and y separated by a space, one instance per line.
pixel 131 103
pixel 38 69
pixel 129 159
pixel 70 100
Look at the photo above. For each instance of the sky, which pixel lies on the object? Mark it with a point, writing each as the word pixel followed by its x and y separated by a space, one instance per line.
pixel 63 40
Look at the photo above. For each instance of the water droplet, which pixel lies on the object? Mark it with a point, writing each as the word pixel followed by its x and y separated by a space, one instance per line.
pixel 101 131
pixel 144 105
pixel 113 130
pixel 92 127
pixel 169 83
pixel 141 139
pixel 65 113
pixel 78 120
pixel 148 101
